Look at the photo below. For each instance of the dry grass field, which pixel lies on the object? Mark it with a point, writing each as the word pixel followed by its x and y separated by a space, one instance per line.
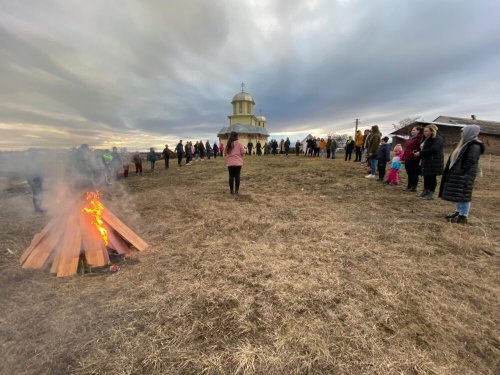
pixel 312 269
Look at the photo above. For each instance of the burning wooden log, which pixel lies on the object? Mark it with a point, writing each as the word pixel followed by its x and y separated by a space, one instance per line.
pixel 85 229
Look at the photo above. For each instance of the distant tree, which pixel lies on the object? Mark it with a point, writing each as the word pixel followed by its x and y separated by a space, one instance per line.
pixel 406 121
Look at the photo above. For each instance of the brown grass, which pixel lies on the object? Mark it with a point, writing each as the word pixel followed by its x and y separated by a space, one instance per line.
pixel 311 270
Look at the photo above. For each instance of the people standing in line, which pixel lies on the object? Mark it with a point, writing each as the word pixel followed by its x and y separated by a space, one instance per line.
pixel 460 173
pixel 267 148
pixel 328 146
pixel 125 161
pixel 151 157
pixel 317 146
pixel 334 148
pixel 234 155
pixel 383 157
pixel 188 151
pixel 412 162
pixel 259 148
pixel 349 147
pixel 393 175
pixel 358 144
pixel 287 146
pixel 250 147
pixel 138 163
pixel 372 148
pixel 179 149
pixel 297 147
pixel 166 155
pixel 197 151
pixel 432 157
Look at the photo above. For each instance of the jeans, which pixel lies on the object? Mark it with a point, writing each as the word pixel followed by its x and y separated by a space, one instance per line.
pixel 373 164
pixel 334 154
pixel 463 208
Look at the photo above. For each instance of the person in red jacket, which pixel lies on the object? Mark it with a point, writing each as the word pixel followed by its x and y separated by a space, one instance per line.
pixel 234 152
pixel 412 162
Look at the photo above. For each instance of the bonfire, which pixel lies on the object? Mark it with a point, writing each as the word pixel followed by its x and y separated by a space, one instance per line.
pixel 84 230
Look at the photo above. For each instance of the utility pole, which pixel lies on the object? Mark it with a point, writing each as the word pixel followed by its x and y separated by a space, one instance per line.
pixel 356 128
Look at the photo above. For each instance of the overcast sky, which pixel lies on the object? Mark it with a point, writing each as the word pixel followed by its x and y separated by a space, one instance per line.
pixel 143 73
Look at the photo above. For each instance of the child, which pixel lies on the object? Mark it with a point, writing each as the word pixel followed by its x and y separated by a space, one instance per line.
pixel 138 163
pixel 393 175
pixel 383 157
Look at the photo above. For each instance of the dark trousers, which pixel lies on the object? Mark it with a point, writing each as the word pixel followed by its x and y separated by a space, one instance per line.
pixel 138 168
pixel 234 178
pixel 381 170
pixel 358 154
pixel 328 153
pixel 412 168
pixel 348 154
pixel 179 158
pixel 167 158
pixel 125 171
pixel 430 183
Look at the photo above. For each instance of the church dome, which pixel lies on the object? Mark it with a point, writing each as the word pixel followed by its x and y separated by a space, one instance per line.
pixel 261 118
pixel 243 96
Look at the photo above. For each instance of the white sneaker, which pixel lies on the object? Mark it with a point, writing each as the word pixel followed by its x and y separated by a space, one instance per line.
pixel 370 176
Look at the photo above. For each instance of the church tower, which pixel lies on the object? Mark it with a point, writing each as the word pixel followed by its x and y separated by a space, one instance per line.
pixel 250 128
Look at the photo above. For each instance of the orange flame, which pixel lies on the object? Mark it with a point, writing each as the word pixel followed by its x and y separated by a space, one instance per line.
pixel 95 211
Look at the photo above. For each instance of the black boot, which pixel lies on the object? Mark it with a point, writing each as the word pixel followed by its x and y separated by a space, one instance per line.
pixel 453 215
pixel 429 196
pixel 460 219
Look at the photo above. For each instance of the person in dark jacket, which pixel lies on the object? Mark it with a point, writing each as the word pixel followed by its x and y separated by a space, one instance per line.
pixel 151 157
pixel 249 147
pixel 287 146
pixel 349 148
pixel 259 148
pixel 412 162
pixel 432 159
pixel 179 149
pixel 383 157
pixel 216 150
pixel 297 147
pixel 166 155
pixel 460 172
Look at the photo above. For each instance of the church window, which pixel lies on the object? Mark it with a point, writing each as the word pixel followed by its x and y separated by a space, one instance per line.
pixel 248 108
pixel 241 107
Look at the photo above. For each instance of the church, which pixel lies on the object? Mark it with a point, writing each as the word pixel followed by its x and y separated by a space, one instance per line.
pixel 248 126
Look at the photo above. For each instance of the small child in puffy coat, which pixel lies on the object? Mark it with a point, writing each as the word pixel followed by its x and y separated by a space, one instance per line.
pixel 393 175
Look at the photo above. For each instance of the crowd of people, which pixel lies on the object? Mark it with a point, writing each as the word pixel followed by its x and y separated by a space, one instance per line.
pixel 423 155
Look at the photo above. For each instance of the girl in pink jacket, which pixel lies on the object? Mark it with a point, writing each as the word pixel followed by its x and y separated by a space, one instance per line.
pixel 234 152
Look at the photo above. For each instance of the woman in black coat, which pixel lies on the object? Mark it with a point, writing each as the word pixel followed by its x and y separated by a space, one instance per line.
pixel 432 158
pixel 460 173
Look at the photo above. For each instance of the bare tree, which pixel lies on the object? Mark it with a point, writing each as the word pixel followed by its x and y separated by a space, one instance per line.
pixel 406 121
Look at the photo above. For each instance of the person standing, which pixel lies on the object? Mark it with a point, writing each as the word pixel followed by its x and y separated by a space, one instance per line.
pixel 208 149
pixel 249 147
pixel 216 150
pixel 412 162
pixel 349 147
pixel 383 157
pixel 297 147
pixel 334 148
pixel 234 154
pixel 166 156
pixel 221 149
pixel 460 173
pixel 372 148
pixel 138 163
pixel 259 148
pixel 287 146
pixel 179 149
pixel 358 144
pixel 432 156
pixel 125 159
pixel 151 157
pixel 328 146
pixel 189 152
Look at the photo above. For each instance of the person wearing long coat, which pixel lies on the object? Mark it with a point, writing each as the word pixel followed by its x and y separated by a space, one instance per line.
pixel 432 159
pixel 460 172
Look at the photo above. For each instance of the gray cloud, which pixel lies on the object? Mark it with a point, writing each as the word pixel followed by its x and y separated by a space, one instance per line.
pixel 168 70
